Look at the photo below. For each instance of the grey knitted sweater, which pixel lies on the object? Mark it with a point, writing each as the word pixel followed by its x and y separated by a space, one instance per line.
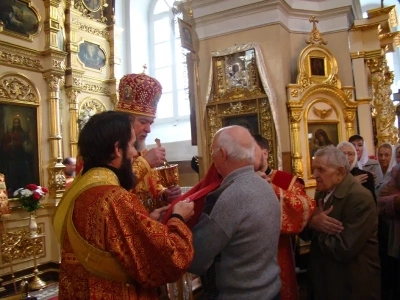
pixel 243 227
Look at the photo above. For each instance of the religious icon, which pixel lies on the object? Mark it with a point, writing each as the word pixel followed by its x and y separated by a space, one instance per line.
pixel 19 18
pixel 320 136
pixel 92 5
pixel 18 146
pixel 186 33
pixel 250 122
pixel 317 66
pixel 91 55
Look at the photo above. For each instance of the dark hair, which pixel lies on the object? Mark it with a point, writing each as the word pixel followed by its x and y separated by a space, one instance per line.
pixel 356 137
pixel 98 137
pixel 66 161
pixel 261 141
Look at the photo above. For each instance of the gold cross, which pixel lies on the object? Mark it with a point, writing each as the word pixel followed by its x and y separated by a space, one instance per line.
pixel 314 20
pixel 144 68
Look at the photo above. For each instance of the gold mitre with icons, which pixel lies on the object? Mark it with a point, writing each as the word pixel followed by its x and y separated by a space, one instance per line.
pixel 139 94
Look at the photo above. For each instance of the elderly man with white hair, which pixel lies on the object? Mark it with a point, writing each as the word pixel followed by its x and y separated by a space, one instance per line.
pixel 236 238
pixel 343 262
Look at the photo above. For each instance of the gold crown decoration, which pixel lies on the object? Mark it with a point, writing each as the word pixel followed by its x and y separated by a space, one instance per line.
pixel 139 94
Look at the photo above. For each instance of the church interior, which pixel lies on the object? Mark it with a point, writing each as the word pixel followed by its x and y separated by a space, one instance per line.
pixel 285 69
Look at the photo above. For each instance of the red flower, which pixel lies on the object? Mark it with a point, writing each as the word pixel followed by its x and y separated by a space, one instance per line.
pixel 36 196
pixel 45 190
pixel 31 187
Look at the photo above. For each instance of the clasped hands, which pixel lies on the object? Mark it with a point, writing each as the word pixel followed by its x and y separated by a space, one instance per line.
pixel 184 208
pixel 320 221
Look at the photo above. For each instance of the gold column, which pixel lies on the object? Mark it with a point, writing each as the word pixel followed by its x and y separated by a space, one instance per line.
pixel 297 166
pixel 51 23
pixel 382 79
pixel 114 39
pixel 349 121
pixel 73 120
pixel 56 168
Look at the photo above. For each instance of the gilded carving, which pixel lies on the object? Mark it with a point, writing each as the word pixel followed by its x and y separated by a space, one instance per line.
pixel 20 60
pixel 267 129
pixel 382 79
pixel 77 82
pixel 53 82
pixel 58 65
pixel 238 108
pixel 17 245
pixel 305 82
pixel 316 36
pixel 87 12
pixel 88 108
pixel 349 94
pixel 294 93
pixel 322 113
pixel 17 87
pixel 73 96
pixel 237 93
pixel 94 88
pixel 333 80
pixel 56 179
pixel 349 115
pixel 295 115
pixel 95 31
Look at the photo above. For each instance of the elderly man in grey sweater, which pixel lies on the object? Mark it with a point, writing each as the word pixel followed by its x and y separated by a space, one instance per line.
pixel 237 234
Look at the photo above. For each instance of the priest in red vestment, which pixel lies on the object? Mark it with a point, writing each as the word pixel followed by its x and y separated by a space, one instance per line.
pixel 112 248
pixel 296 210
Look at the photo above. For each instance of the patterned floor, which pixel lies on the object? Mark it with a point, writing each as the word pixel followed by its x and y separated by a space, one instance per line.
pixel 48 293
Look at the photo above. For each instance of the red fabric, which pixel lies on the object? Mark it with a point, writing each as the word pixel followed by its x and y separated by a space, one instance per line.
pixel 197 194
pixel 282 179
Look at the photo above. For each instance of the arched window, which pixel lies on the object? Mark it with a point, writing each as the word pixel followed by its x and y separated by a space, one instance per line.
pixel 168 63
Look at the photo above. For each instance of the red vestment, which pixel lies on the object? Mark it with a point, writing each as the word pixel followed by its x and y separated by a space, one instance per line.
pixel 114 220
pixel 296 210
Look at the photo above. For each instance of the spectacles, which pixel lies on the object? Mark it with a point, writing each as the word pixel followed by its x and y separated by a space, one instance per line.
pixel 351 154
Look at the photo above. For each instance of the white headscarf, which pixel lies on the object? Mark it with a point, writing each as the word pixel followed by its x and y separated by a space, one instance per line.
pixel 392 161
pixel 353 149
pixel 364 157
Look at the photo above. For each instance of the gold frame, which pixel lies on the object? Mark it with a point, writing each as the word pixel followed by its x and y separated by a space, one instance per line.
pixel 33 100
pixel 92 10
pixel 30 37
pixel 305 94
pixel 185 44
pixel 83 64
pixel 226 107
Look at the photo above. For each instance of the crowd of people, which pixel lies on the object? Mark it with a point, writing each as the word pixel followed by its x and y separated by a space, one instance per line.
pixel 125 236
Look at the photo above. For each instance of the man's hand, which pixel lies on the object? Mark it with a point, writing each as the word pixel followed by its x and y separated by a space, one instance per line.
pixel 361 178
pixel 320 221
pixel 172 193
pixel 184 208
pixel 158 213
pixel 155 157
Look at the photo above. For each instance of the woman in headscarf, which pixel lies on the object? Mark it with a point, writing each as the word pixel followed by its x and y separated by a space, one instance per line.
pixel 362 176
pixel 363 161
pixel 387 160
pixel 389 211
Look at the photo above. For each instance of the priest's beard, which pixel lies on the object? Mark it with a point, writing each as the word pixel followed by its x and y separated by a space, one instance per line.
pixel 126 177
pixel 140 145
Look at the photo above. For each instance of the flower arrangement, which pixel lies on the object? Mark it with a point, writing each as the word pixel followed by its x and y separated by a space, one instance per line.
pixel 30 196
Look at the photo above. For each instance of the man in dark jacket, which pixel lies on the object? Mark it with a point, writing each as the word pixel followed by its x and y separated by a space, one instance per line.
pixel 344 262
